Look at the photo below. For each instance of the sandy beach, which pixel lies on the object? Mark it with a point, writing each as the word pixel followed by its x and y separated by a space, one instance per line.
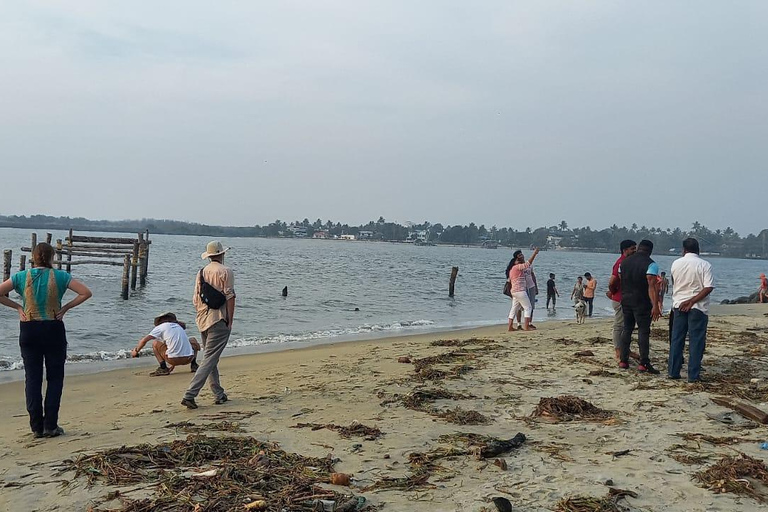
pixel 650 438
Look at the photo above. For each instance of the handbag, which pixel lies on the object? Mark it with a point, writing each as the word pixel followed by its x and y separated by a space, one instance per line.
pixel 507 289
pixel 210 296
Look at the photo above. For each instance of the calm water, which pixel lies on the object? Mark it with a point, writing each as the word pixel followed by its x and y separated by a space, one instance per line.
pixel 398 289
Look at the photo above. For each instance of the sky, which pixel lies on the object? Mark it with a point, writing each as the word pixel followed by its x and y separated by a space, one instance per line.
pixel 503 113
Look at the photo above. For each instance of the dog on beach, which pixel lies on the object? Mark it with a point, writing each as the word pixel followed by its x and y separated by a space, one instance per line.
pixel 581 312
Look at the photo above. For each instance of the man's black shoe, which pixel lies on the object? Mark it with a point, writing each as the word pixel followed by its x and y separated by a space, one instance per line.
pixel 189 403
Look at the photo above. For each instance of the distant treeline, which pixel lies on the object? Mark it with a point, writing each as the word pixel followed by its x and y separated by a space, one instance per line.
pixel 725 242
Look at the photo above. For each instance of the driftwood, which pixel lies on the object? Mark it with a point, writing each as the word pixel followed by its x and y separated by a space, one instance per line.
pixel 746 410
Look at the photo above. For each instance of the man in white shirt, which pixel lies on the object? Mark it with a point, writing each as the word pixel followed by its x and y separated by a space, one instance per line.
pixel 170 345
pixel 692 283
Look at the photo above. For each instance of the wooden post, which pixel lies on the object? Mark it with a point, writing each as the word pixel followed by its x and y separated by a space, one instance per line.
pixel 58 253
pixel 452 284
pixel 142 264
pixel 23 262
pixel 7 255
pixel 134 264
pixel 69 252
pixel 34 241
pixel 146 254
pixel 48 237
pixel 126 273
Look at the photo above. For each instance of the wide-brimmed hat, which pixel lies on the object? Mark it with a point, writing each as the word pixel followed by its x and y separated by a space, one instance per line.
pixel 169 315
pixel 214 248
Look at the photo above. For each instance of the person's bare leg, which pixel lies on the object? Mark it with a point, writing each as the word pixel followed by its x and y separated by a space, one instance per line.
pixel 511 326
pixel 157 350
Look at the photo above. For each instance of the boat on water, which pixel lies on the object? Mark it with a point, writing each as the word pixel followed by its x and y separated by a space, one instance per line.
pixel 490 244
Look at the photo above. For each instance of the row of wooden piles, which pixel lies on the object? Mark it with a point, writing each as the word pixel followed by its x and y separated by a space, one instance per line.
pixel 130 253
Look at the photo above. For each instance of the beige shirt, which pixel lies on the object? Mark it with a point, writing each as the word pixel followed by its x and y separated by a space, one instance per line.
pixel 221 278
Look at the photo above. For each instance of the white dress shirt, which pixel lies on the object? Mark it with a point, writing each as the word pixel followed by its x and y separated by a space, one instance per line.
pixel 690 275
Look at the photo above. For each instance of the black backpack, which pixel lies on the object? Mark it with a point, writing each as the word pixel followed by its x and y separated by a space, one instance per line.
pixel 212 297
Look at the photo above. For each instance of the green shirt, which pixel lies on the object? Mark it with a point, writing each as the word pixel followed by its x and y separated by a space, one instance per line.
pixel 41 291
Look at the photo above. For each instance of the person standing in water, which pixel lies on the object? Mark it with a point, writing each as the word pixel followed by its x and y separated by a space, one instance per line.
pixel 552 293
pixel 577 293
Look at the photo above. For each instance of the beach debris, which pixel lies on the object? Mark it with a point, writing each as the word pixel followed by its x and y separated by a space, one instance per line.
pixel 608 503
pixel 462 342
pixel 424 465
pixel 354 429
pixel 737 475
pixel 746 410
pixel 191 428
pixel 597 340
pixel 619 453
pixel 248 473
pixel 502 504
pixel 584 353
pixel 566 341
pixel 403 359
pixel 340 479
pixel 714 440
pixel 569 408
pixel 501 463
pixel 555 450
pixel 423 399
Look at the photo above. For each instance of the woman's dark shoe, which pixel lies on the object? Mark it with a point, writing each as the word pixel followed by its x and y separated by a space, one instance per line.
pixel 222 399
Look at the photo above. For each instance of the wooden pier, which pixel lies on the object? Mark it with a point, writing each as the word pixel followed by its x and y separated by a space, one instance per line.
pixel 130 253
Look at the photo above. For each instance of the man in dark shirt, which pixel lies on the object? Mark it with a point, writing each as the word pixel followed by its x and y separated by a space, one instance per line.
pixel 639 303
pixel 552 293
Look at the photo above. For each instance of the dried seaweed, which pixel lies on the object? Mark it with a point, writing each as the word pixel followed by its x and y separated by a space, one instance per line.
pixel 244 470
pixel 717 441
pixel 192 428
pixel 569 408
pixel 737 475
pixel 354 429
pixel 555 450
pixel 609 503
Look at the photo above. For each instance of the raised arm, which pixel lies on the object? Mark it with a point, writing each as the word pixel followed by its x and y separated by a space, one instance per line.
pixel 533 256
pixel 83 294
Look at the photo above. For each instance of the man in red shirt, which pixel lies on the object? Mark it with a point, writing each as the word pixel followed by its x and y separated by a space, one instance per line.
pixel 626 247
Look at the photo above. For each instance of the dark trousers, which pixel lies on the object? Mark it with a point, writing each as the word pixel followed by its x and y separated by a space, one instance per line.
pixel 551 297
pixel 43 343
pixel 694 324
pixel 639 316
pixel 590 302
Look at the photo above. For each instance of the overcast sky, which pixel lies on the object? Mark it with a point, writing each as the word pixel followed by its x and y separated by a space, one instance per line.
pixel 507 113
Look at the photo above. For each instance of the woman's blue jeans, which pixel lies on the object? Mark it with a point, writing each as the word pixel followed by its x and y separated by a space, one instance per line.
pixel 694 324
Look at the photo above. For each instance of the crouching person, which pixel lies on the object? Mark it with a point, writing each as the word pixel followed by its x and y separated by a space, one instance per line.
pixel 170 344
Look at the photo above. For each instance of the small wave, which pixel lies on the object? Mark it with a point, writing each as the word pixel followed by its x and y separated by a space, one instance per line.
pixel 249 341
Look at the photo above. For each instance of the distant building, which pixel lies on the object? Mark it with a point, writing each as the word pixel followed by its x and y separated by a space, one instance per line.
pixel 298 231
pixel 347 237
pixel 320 234
pixel 554 241
pixel 365 235
pixel 417 236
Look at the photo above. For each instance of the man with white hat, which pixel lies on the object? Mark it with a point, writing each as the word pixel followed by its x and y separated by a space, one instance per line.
pixel 214 301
